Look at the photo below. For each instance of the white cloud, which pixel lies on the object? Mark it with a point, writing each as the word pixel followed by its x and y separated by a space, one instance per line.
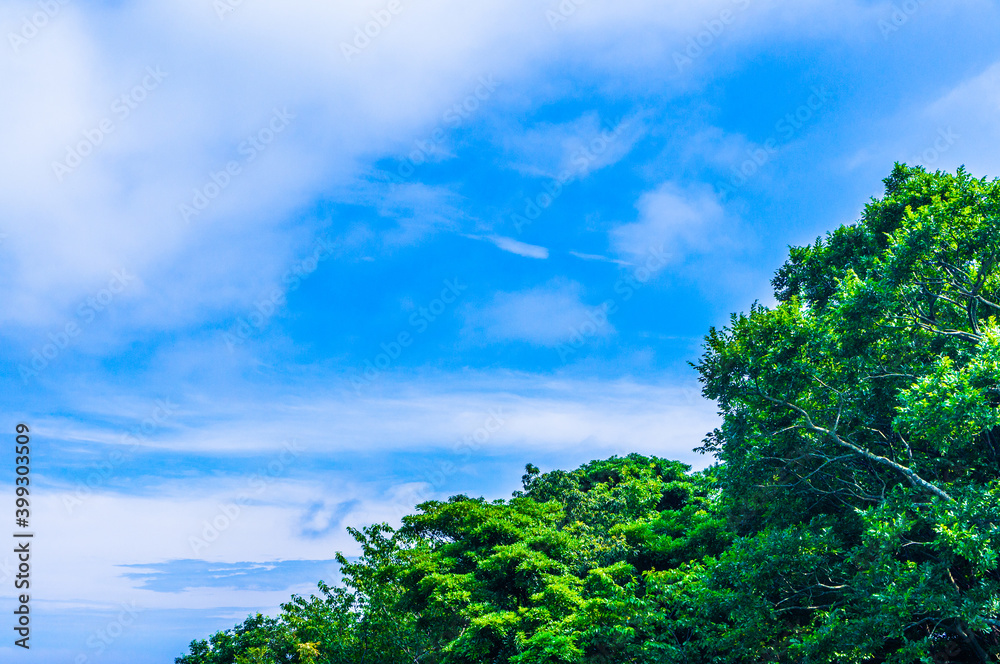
pixel 109 530
pixel 673 220
pixel 119 207
pixel 944 132
pixel 427 412
pixel 519 248
pixel 959 128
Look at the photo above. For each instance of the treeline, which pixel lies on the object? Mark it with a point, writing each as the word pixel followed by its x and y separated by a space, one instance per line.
pixel 854 514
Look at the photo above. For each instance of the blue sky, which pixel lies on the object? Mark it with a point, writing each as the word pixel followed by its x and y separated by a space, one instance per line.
pixel 262 270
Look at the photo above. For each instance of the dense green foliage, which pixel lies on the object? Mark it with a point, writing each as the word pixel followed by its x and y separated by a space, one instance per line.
pixel 854 515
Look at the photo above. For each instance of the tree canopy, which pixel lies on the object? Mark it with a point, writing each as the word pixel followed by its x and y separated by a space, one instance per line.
pixel 853 514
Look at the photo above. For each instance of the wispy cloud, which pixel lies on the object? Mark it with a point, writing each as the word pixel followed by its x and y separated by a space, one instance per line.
pixel 519 248
pixel 544 315
pixel 180 575
pixel 577 147
pixel 596 257
pixel 430 410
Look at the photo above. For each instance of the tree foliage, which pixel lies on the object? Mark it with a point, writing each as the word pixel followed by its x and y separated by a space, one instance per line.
pixel 863 407
pixel 854 515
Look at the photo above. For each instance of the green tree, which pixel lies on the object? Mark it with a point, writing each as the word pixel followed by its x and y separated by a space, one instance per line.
pixel 557 574
pixel 864 409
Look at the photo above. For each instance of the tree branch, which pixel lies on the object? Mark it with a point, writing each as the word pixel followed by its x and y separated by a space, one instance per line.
pixel 832 435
